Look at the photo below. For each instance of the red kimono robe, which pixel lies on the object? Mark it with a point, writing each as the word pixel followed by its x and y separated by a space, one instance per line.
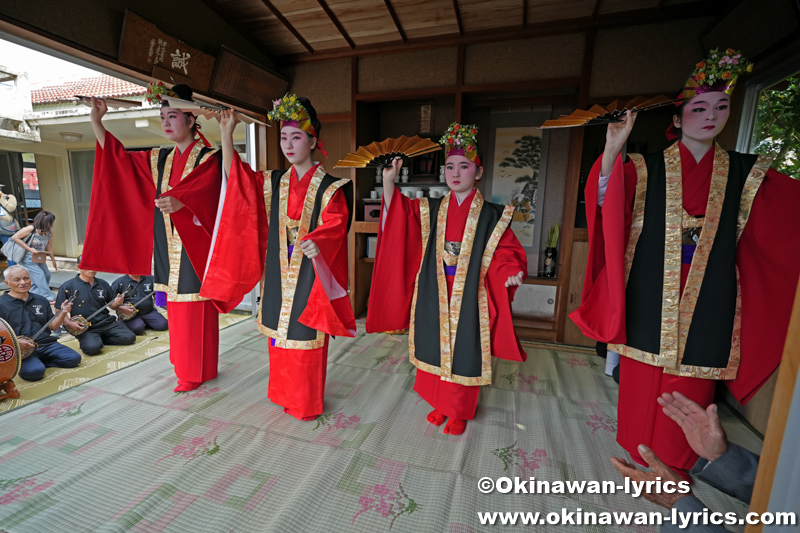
pixel 767 257
pixel 397 265
pixel 241 256
pixel 120 238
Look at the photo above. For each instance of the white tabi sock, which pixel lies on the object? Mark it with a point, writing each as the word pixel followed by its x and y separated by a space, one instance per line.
pixel 612 360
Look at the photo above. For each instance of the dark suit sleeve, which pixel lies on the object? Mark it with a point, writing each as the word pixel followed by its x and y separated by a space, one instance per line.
pixel 733 473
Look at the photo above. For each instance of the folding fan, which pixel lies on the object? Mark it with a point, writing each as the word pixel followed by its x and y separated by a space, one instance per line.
pixel 613 112
pixel 110 102
pixel 381 154
pixel 207 109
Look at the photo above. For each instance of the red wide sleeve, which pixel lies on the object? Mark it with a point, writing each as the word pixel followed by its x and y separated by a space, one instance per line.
pixel 397 260
pixel 768 259
pixel 509 259
pixel 240 244
pixel 199 191
pixel 328 308
pixel 119 229
pixel 601 315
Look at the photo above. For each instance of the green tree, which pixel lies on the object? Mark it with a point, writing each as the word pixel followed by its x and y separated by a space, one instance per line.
pixel 526 155
pixel 777 130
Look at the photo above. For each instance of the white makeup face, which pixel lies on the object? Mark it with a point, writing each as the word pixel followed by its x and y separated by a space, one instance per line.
pixel 177 125
pixel 704 116
pixel 296 144
pixel 461 173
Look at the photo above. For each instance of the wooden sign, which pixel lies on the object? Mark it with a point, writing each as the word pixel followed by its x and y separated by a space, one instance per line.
pixel 146 48
pixel 245 83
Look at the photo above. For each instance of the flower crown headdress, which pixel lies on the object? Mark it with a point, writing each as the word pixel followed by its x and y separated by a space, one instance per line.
pixel 461 139
pixel 290 112
pixel 155 90
pixel 718 73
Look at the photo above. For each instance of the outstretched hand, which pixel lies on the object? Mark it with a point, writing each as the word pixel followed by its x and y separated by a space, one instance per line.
pixel 516 281
pixel 390 173
pixel 99 109
pixel 659 470
pixel 228 121
pixel 616 136
pixel 702 427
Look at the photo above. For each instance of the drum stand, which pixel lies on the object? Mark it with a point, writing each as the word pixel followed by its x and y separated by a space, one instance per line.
pixel 10 390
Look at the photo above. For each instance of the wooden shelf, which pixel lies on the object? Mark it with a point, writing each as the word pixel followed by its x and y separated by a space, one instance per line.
pixel 367 259
pixel 359 226
pixel 534 280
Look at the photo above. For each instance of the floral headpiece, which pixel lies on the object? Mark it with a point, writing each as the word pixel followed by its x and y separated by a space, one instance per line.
pixel 461 139
pixel 155 90
pixel 290 112
pixel 718 73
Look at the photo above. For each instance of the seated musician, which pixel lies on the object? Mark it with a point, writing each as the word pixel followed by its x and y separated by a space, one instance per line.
pixel 146 314
pixel 27 313
pixel 94 294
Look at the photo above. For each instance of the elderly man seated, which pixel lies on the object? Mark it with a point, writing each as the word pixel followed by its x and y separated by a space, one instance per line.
pixel 27 313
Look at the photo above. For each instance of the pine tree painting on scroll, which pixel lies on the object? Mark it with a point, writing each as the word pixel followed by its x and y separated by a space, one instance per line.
pixel 159 207
pixel 447 269
pixel 288 229
pixel 700 289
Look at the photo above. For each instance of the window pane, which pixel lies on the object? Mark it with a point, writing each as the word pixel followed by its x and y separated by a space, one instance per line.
pixel 777 128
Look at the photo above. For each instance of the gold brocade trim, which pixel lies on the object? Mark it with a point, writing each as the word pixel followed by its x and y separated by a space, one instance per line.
pixel 174 243
pixel 425 226
pixel 637 219
pixel 697 270
pixel 483 304
pixel 290 268
pixel 677 333
pixel 703 372
pixel 688 221
pixel 319 342
pixel 326 198
pixel 635 353
pixel 673 238
pixel 751 186
pixel 459 280
pixel 160 287
pixel 267 174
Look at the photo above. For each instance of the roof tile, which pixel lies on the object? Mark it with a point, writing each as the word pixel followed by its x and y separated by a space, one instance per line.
pixel 101 85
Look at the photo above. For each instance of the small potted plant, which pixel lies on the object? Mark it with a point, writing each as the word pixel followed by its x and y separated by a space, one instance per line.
pixel 551 253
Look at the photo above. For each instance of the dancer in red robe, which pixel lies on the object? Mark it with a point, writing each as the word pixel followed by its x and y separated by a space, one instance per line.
pixel 288 228
pixel 161 204
pixel 448 270
pixel 701 288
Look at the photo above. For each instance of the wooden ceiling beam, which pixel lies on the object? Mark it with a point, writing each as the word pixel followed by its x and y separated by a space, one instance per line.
pixel 226 16
pixel 613 20
pixel 524 14
pixel 458 18
pixel 275 11
pixel 396 20
pixel 595 9
pixel 331 15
